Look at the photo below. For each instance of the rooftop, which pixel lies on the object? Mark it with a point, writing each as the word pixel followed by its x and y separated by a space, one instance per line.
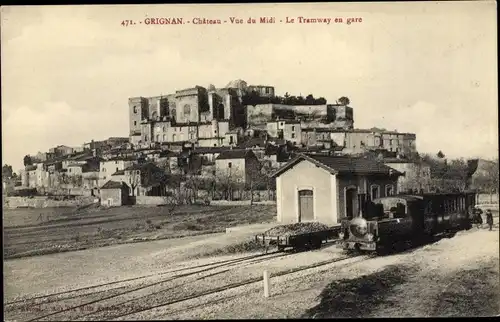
pixel 76 165
pixel 341 164
pixel 253 142
pixel 144 167
pixel 234 154
pixel 335 130
pixel 123 158
pixel 114 185
pixel 208 150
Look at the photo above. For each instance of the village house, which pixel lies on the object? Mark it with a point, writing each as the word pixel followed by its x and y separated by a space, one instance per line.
pixel 111 166
pixel 94 146
pixel 90 181
pixel 75 159
pixel 241 166
pixel 416 175
pixel 289 130
pixel 61 150
pixel 329 188
pixel 114 194
pixel 354 141
pixel 145 179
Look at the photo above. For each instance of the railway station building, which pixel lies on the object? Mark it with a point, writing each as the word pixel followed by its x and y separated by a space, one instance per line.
pixel 326 189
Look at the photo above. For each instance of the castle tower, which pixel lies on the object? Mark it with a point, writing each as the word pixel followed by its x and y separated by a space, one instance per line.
pixel 138 110
pixel 215 128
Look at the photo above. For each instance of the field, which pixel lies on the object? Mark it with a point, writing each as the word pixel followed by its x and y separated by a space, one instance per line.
pixel 29 232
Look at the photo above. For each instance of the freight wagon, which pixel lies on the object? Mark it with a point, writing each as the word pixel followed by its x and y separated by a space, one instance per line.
pixel 298 240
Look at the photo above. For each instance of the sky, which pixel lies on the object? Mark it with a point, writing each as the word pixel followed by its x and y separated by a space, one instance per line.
pixel 425 68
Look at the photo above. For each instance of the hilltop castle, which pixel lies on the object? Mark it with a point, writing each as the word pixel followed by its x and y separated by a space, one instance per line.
pixel 218 117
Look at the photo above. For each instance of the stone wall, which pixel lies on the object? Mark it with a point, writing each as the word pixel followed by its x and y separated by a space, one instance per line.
pixel 239 203
pixel 45 202
pixel 150 200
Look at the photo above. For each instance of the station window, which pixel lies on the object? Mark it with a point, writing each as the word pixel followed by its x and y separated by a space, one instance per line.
pixel 389 190
pixel 375 192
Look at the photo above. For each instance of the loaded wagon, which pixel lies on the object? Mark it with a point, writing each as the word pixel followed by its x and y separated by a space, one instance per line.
pixel 301 236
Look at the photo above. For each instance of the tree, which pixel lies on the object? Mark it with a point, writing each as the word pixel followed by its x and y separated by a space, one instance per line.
pixel 7 172
pixel 254 178
pixel 487 179
pixel 320 101
pixel 27 160
pixel 227 182
pixel 134 180
pixel 344 100
pixel 310 99
pixel 440 155
pixel 76 181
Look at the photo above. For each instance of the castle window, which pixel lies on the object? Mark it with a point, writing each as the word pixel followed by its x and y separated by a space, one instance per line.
pixel 229 165
pixel 135 123
pixel 293 128
pixel 135 109
pixel 187 109
pixel 293 135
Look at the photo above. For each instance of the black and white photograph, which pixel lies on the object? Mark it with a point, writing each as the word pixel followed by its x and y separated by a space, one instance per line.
pixel 250 161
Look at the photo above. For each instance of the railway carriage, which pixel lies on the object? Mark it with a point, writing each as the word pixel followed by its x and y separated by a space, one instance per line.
pixel 406 218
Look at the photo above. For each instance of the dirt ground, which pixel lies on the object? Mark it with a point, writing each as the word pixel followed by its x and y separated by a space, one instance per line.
pixel 29 232
pixel 452 277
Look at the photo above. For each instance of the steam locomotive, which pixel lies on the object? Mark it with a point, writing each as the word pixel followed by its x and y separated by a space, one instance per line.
pixel 407 218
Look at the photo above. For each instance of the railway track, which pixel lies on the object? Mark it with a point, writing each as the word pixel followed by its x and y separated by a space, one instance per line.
pixel 104 313
pixel 47 296
pixel 230 286
pixel 56 297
